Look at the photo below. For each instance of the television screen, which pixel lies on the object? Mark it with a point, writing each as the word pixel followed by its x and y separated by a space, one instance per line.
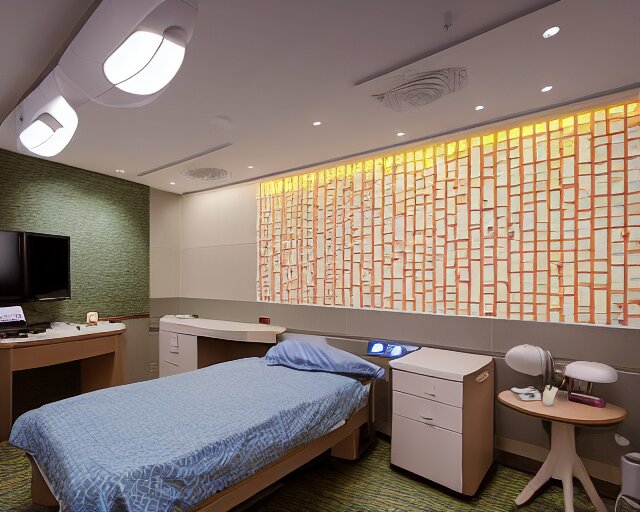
pixel 12 283
pixel 48 266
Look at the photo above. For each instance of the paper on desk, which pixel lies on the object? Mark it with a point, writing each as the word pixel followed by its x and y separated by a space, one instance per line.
pixel 12 314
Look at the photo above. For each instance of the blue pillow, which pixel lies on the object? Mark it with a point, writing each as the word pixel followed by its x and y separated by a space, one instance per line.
pixel 304 355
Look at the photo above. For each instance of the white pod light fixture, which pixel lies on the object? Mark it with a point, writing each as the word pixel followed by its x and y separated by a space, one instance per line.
pixel 50 132
pixel 125 54
pixel 40 131
pixel 45 121
pixel 146 62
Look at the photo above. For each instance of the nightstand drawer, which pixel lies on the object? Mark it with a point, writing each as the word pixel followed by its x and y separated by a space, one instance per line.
pixel 428 451
pixel 440 390
pixel 427 411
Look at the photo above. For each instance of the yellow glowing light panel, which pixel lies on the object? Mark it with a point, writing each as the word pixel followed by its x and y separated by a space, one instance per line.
pixel 538 222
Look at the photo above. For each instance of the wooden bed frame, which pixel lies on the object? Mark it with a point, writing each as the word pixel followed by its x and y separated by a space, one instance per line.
pixel 346 442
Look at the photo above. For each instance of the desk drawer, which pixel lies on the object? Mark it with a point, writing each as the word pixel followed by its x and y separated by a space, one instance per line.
pixel 167 369
pixel 440 390
pixel 427 411
pixel 428 451
pixel 179 350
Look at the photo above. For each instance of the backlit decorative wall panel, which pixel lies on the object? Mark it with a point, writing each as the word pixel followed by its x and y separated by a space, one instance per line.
pixel 537 222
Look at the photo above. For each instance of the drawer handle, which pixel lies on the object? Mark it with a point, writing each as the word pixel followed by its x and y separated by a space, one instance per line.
pixel 482 377
pixel 430 394
pixel 426 417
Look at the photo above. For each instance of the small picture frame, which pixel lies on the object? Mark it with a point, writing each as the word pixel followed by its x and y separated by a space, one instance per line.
pixel 92 318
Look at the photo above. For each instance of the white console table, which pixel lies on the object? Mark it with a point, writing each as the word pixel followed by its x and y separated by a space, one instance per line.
pixel 187 344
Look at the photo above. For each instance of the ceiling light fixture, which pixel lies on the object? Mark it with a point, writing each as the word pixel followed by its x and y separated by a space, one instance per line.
pixel 400 134
pixel 146 62
pixel 317 123
pixel 120 171
pixel 479 107
pixel 45 121
pixel 550 32
pixel 546 88
pixel 123 56
pixel 127 52
pixel 172 183
pixel 249 166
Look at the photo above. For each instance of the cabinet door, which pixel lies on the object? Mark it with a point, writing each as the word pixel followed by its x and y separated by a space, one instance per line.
pixel 428 451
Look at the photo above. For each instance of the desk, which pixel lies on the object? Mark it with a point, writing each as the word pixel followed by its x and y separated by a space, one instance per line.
pixel 187 344
pixel 563 462
pixel 99 350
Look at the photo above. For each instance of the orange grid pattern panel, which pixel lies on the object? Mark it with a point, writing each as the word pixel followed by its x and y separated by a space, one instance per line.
pixel 538 222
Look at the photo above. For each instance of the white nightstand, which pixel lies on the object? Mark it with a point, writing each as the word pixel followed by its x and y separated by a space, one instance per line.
pixel 442 425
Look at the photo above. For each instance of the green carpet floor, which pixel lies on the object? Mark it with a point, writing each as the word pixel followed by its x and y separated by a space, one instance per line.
pixel 329 485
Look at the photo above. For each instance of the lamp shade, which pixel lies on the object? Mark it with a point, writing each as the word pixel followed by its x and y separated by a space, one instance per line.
pixel 527 359
pixel 590 371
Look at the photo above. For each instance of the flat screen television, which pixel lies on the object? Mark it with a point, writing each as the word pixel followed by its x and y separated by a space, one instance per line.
pixel 12 278
pixel 34 267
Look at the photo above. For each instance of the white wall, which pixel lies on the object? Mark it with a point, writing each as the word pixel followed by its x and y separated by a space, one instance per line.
pixel 165 244
pixel 218 248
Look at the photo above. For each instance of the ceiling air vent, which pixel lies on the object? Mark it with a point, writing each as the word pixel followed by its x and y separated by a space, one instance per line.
pixel 413 90
pixel 208 174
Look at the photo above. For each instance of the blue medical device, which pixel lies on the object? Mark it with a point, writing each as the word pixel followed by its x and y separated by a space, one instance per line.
pixel 389 350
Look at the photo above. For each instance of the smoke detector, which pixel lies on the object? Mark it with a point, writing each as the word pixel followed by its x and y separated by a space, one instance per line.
pixel 208 174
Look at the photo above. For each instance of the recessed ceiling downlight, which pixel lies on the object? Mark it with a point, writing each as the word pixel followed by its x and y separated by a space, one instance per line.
pixel 207 174
pixel 479 107
pixel 146 62
pixel 546 88
pixel 550 32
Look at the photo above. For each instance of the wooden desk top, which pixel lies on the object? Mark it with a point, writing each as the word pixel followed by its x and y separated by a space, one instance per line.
pixel 564 411
pixel 51 336
pixel 221 329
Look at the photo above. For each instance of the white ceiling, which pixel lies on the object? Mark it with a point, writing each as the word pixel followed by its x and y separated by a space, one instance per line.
pixel 32 32
pixel 257 74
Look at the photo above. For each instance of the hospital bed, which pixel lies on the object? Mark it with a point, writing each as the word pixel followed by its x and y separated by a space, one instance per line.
pixel 206 440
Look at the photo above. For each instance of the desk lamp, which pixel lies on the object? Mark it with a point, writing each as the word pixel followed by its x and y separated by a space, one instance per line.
pixel 581 375
pixel 534 360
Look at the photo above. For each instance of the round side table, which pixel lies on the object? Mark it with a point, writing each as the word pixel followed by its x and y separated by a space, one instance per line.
pixel 563 462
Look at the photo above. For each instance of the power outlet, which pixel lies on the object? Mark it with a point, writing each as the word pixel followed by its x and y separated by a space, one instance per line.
pixel 621 440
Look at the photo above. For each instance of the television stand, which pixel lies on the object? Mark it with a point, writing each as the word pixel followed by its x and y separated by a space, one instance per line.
pixel 100 350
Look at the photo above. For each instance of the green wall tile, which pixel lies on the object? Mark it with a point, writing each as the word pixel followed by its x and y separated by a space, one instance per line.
pixel 108 222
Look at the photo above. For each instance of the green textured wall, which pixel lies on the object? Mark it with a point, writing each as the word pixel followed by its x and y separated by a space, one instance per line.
pixel 108 222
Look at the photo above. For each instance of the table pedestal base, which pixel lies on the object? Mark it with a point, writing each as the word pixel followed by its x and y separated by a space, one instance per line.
pixel 562 463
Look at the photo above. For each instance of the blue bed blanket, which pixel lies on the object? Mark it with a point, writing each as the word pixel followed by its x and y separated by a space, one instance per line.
pixel 168 444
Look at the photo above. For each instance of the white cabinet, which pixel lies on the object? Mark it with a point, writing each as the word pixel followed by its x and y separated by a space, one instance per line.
pixel 187 343
pixel 442 422
pixel 178 353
